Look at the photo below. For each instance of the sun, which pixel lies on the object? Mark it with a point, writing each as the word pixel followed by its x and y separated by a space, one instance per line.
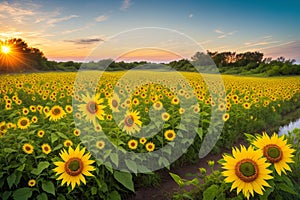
pixel 5 49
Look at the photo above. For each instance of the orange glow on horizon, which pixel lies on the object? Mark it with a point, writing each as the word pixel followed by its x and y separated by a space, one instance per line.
pixel 152 55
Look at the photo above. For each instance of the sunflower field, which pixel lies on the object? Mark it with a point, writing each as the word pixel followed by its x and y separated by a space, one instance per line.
pixel 65 135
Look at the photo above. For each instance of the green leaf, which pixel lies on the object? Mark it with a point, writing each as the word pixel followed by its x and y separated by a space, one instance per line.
pixel 200 133
pixel 266 193
pixel 57 147
pixel 6 195
pixel 48 186
pixel 114 195
pixel 21 168
pixel 131 165
pixel 54 137
pixel 93 190
pixel 177 179
pixel 114 158
pixel 125 179
pixel 42 196
pixel 60 134
pixel 286 188
pixel 41 166
pixel 210 193
pixel 163 161
pixel 9 150
pixel 11 180
pixel 22 193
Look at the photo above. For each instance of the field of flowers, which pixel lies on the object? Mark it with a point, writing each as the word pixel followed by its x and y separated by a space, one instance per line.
pixel 64 136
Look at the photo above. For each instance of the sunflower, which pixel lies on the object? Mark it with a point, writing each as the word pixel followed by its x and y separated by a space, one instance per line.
pixel 181 111
pixel 74 166
pixel 69 109
pixel 56 113
pixel 23 123
pixel 157 105
pixel 276 150
pixel 40 133
pixel 131 122
pixel 132 144
pixel 170 135
pixel 92 108
pixel 68 143
pixel 25 111
pixel 100 144
pixel 3 127
pixel 247 169
pixel 27 148
pixel 165 116
pixel 76 132
pixel 46 148
pixel 150 146
pixel 225 117
pixel 114 103
pixel 31 183
pixel 175 101
pixel 34 119
pixel 143 140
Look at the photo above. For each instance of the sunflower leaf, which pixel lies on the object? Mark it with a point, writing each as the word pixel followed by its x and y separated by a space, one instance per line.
pixel 210 193
pixel 125 179
pixel 11 180
pixel 42 165
pixel 48 187
pixel 131 165
pixel 22 193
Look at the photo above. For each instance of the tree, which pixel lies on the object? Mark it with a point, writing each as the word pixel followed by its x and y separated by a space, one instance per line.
pixel 22 57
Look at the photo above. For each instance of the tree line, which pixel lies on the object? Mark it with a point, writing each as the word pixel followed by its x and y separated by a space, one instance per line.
pixel 24 58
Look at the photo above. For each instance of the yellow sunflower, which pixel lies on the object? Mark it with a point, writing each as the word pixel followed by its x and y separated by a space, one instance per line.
pixel 165 116
pixel 40 133
pixel 100 144
pixel 157 105
pixel 69 109
pixel 246 170
pixel 31 183
pixel 225 117
pixel 23 123
pixel 276 150
pixel 74 166
pixel 131 122
pixel 3 127
pixel 27 148
pixel 143 140
pixel 150 146
pixel 92 108
pixel 114 103
pixel 46 148
pixel 132 144
pixel 56 113
pixel 68 143
pixel 170 135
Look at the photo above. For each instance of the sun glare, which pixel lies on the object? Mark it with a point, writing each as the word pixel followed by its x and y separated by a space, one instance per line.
pixel 5 49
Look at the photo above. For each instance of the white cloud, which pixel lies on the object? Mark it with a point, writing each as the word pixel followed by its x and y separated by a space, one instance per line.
pixel 223 34
pixel 15 11
pixel 61 19
pixel 191 15
pixel 101 18
pixel 126 4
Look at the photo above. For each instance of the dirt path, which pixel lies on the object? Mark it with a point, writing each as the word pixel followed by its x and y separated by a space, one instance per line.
pixel 168 186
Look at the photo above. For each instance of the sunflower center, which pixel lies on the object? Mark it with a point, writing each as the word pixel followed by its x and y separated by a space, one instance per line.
pixel 28 148
pixel 246 170
pixel 170 135
pixel 74 166
pixel 129 121
pixel 273 153
pixel 23 122
pixel 114 103
pixel 56 111
pixel 92 107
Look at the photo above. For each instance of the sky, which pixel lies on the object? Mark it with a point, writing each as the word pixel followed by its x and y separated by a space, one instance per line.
pixel 74 30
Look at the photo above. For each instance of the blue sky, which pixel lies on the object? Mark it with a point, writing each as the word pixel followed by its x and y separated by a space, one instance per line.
pixel 69 30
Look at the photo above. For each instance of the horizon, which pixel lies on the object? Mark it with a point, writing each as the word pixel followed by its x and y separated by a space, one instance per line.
pixel 68 31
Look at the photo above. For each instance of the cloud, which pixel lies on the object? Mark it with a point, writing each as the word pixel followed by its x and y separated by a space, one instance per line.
pixel 15 11
pixel 191 15
pixel 85 41
pixel 101 18
pixel 61 19
pixel 223 34
pixel 126 4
